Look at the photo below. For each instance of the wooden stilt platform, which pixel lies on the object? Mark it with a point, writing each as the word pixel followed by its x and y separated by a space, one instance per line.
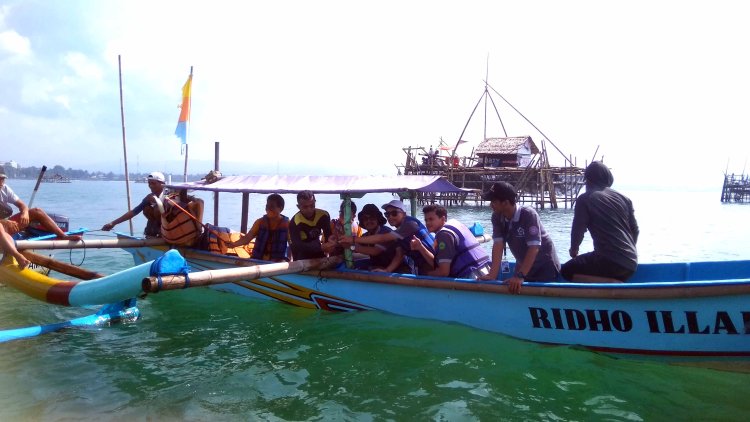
pixel 538 183
pixel 736 188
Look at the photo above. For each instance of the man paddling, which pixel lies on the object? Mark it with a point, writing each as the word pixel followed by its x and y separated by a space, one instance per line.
pixel 148 206
pixel 18 222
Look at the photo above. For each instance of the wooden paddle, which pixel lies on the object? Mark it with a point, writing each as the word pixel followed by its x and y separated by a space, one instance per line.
pixel 229 275
pixel 90 244
pixel 36 187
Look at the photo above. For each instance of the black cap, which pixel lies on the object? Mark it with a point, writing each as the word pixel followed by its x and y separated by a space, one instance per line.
pixel 502 191
pixel 373 211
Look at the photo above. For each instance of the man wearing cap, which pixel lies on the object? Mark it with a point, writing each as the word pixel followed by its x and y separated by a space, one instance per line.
pixel 149 207
pixel 407 228
pixel 520 228
pixel 609 217
pixel 18 222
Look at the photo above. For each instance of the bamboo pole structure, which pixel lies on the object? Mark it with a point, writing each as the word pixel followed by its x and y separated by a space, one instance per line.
pixel 88 244
pixel 124 143
pixel 229 275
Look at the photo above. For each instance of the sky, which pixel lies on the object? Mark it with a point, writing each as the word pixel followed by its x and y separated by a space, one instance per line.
pixel 658 89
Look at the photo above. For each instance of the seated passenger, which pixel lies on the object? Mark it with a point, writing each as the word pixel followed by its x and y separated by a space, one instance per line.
pixel 337 227
pixel 306 228
pixel 181 219
pixel 457 254
pixel 18 222
pixel 9 247
pixel 609 218
pixel 271 233
pixel 407 228
pixel 384 257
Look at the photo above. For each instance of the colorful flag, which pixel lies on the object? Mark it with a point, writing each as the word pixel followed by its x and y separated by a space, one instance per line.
pixel 182 122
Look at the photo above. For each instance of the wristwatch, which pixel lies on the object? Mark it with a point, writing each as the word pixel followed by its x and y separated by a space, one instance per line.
pixel 352 247
pixel 519 274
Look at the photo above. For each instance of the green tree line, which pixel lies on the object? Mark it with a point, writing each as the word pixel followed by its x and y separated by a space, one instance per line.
pixel 77 174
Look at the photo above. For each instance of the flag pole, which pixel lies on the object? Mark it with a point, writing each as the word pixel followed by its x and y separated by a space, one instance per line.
pixel 124 144
pixel 187 128
pixel 184 171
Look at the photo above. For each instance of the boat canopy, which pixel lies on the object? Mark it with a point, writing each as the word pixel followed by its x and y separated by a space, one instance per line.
pixel 323 184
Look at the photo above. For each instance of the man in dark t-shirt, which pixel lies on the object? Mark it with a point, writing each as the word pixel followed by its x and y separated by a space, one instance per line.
pixel 609 217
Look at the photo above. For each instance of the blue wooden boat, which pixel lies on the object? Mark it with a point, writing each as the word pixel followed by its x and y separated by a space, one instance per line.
pixel 683 310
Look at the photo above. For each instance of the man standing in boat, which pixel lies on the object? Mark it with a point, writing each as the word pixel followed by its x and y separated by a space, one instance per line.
pixel 149 207
pixel 25 216
pixel 458 254
pixel 520 228
pixel 609 217
pixel 306 228
pixel 407 228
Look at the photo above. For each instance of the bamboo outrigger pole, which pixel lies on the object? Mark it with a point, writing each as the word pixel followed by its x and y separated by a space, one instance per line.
pixel 230 275
pixel 124 144
pixel 89 244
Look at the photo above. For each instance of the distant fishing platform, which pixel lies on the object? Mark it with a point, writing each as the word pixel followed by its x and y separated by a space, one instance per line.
pixel 736 188
pixel 516 160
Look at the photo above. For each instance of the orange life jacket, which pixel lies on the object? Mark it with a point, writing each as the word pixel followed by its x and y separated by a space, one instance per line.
pixel 217 239
pixel 178 227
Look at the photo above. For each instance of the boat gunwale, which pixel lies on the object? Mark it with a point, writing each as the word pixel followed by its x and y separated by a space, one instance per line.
pixel 632 290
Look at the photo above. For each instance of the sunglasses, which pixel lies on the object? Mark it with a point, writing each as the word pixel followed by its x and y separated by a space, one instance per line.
pixel 392 213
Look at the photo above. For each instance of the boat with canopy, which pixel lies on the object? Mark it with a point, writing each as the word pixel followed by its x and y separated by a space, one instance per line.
pixel 689 311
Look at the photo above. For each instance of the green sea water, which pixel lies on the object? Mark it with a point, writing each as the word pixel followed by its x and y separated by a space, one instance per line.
pixel 201 355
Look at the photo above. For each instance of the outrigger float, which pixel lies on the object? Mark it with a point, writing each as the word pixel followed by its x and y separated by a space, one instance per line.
pixel 697 311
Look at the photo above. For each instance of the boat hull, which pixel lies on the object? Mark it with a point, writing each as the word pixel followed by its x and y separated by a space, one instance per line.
pixel 113 288
pixel 675 318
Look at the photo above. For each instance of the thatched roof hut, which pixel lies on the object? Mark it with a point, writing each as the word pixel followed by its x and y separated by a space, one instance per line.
pixel 506 152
